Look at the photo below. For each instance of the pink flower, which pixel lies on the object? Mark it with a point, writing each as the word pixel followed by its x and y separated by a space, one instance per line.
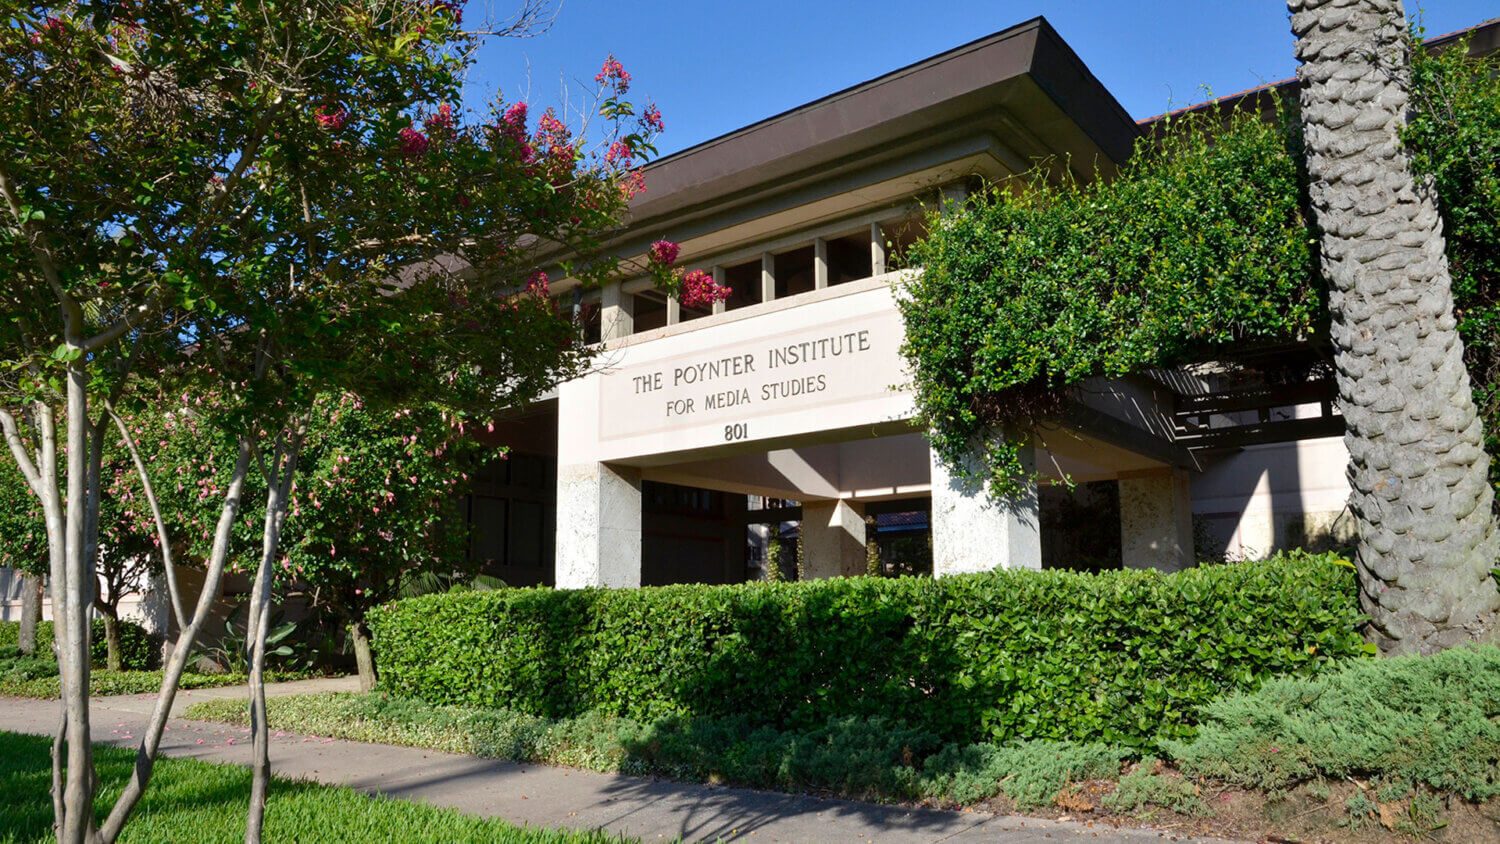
pixel 550 130
pixel 619 153
pixel 440 122
pixel 700 291
pixel 651 118
pixel 413 143
pixel 632 184
pixel 537 286
pixel 664 252
pixel 613 73
pixel 332 120
pixel 449 7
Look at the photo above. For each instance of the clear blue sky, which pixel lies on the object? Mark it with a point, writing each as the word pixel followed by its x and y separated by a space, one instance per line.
pixel 714 66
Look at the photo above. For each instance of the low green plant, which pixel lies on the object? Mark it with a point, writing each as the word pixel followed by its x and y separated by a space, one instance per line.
pixel 869 758
pixel 1145 787
pixel 1418 721
pixel 198 801
pixel 1029 773
pixel 1121 657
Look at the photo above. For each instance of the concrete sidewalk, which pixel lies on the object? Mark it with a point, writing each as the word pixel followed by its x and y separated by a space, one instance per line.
pixel 644 808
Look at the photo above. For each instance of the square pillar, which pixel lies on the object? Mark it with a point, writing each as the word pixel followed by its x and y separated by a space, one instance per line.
pixel 598 526
pixel 767 277
pixel 877 250
pixel 616 312
pixel 972 533
pixel 833 539
pixel 1156 520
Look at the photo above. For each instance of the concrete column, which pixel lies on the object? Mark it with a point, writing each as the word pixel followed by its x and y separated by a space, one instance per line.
pixel 833 539
pixel 767 277
pixel 971 533
pixel 1156 520
pixel 616 312
pixel 719 280
pixel 820 263
pixel 877 250
pixel 674 310
pixel 598 526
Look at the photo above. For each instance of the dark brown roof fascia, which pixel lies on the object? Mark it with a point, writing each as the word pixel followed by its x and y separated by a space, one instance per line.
pixel 861 116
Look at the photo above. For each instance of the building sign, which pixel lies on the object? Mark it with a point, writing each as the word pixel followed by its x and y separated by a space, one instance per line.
pixel 842 370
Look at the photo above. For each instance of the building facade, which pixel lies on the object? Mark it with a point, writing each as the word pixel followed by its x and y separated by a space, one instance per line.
pixel 700 438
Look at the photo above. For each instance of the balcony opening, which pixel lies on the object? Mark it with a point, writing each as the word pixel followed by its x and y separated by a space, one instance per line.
pixel 848 258
pixel 794 272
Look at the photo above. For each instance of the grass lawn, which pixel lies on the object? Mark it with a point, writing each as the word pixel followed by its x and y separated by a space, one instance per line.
pixel 191 801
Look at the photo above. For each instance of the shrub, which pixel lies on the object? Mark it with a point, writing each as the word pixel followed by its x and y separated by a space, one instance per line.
pixel 1121 657
pixel 139 650
pixel 1422 720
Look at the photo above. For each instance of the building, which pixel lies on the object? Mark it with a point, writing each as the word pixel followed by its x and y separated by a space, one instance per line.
pixel 701 436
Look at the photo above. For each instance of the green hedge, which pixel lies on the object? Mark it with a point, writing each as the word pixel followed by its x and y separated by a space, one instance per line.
pixel 138 649
pixel 1124 657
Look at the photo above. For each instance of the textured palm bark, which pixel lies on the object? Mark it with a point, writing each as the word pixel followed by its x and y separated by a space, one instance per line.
pixel 1418 469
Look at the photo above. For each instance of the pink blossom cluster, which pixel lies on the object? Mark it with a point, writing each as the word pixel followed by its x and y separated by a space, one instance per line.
pixel 619 154
pixel 441 121
pixel 512 126
pixel 412 142
pixel 614 73
pixel 651 118
pixel 550 130
pixel 631 184
pixel 664 253
pixel 537 286
pixel 332 120
pixel 699 290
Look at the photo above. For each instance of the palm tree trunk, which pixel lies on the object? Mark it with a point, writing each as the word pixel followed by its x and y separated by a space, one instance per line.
pixel 1418 470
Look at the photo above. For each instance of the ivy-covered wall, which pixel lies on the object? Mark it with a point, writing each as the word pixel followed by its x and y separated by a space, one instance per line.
pixel 1201 247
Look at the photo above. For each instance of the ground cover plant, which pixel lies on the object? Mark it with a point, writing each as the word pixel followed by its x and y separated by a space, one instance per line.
pixel 208 800
pixel 858 757
pixel 1382 746
pixel 1121 657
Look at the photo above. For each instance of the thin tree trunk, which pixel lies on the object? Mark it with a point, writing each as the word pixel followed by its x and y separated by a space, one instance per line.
pixel 145 758
pixel 364 657
pixel 278 491
pixel 72 621
pixel 31 613
pixel 111 638
pixel 1418 470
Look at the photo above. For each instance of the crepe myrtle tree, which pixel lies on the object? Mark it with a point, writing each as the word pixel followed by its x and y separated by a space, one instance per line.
pixel 259 204
pixel 377 503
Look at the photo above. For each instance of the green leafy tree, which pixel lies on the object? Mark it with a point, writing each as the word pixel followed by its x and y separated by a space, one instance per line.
pixel 261 203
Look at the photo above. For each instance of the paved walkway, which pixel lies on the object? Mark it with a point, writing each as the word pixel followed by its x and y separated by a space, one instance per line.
pixel 649 809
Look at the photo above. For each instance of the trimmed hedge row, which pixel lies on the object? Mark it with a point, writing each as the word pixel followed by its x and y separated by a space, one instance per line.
pixel 1124 657
pixel 138 649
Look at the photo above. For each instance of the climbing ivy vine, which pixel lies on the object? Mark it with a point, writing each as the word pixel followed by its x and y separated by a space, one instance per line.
pixel 1199 246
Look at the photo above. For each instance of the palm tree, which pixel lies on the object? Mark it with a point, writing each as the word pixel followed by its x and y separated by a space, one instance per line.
pixel 1427 538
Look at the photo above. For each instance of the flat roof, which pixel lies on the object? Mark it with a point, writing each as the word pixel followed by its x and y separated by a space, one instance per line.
pixel 923 96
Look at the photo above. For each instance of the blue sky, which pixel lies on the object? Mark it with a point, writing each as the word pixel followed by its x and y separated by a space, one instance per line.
pixel 714 66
